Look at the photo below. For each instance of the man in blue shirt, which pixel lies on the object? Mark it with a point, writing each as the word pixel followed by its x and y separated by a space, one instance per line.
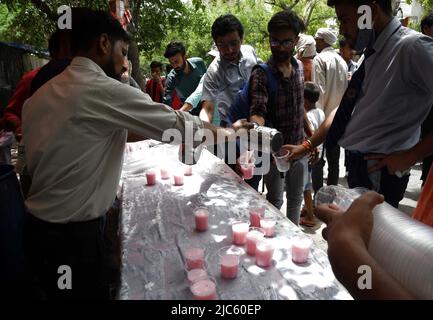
pixel 185 76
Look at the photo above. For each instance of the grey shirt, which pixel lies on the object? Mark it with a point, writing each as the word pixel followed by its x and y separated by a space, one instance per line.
pixel 397 93
pixel 223 79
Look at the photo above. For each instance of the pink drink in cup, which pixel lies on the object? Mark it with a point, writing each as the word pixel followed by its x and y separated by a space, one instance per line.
pixel 194 258
pixel 151 177
pixel 264 253
pixel 201 216
pixel 240 230
pixel 301 249
pixel 229 265
pixel 256 214
pixel 195 275
pixel 188 170
pixel 178 178
pixel 247 171
pixel 204 290
pixel 165 174
pixel 268 225
pixel 253 237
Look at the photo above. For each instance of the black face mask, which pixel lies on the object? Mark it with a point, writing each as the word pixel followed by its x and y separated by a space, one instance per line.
pixel 365 38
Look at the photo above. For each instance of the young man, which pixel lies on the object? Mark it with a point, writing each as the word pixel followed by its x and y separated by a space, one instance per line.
pixel 285 111
pixel 75 153
pixel 330 74
pixel 229 70
pixel 376 114
pixel 185 76
pixel 155 87
pixel 427 25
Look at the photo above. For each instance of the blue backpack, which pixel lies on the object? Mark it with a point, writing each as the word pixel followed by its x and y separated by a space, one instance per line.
pixel 240 108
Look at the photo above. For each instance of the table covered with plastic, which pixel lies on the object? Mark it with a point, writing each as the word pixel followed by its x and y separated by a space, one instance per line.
pixel 157 227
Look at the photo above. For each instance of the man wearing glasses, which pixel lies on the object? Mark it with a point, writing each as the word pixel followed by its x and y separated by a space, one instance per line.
pixel 285 110
pixel 229 71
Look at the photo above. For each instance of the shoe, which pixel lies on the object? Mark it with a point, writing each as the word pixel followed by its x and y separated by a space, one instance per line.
pixel 307 223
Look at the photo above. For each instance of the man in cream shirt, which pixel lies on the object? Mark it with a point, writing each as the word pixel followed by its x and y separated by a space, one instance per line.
pixel 75 129
pixel 330 75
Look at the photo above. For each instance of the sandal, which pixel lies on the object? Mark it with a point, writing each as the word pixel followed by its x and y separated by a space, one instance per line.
pixel 307 223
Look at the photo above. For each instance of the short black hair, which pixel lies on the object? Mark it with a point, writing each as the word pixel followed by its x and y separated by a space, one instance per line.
pixel 427 21
pixel 286 20
pixel 174 48
pixel 57 40
pixel 226 24
pixel 386 5
pixel 344 42
pixel 311 92
pixel 156 64
pixel 88 25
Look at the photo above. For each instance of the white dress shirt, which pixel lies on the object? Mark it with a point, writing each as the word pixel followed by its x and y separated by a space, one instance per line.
pixel 74 133
pixel 396 95
pixel 329 73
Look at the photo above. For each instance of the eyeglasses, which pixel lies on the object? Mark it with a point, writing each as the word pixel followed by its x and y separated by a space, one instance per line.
pixel 285 43
pixel 231 44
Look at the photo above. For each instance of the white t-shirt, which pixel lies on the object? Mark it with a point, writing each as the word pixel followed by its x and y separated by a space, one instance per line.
pixel 316 117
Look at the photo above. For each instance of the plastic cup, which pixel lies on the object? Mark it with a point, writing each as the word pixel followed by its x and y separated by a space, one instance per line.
pixel 256 214
pixel 239 231
pixel 204 289
pixel 301 249
pixel 151 177
pixel 188 170
pixel 264 253
pixel 253 237
pixel 247 171
pixel 165 173
pixel 201 216
pixel 194 258
pixel 195 275
pixel 229 258
pixel 281 160
pixel 178 178
pixel 268 225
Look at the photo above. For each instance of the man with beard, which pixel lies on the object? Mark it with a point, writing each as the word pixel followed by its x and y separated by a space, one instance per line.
pixel 185 76
pixel 75 129
pixel 387 99
pixel 284 111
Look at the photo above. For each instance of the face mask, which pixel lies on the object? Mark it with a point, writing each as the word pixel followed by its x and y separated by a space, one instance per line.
pixel 365 38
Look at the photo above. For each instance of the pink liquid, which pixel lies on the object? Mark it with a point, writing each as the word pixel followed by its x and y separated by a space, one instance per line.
pixel 165 174
pixel 256 214
pixel 194 258
pixel 195 275
pixel 151 178
pixel 201 219
pixel 229 266
pixel 204 290
pixel 178 179
pixel 268 225
pixel 247 171
pixel 188 171
pixel 240 231
pixel 264 253
pixel 301 250
pixel 253 237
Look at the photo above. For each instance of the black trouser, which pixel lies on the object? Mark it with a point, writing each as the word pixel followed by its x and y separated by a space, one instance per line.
pixel 391 186
pixel 78 245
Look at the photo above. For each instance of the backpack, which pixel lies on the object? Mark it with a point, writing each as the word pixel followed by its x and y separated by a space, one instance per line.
pixel 240 108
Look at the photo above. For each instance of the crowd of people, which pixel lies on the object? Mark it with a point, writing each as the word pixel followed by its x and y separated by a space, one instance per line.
pixel 73 116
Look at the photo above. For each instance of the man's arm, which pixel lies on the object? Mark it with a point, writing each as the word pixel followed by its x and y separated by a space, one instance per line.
pixel 308 128
pixel 207 110
pixel 318 137
pixel 348 235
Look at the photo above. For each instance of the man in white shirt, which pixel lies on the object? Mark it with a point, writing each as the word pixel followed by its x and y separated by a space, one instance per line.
pixel 75 129
pixel 330 75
